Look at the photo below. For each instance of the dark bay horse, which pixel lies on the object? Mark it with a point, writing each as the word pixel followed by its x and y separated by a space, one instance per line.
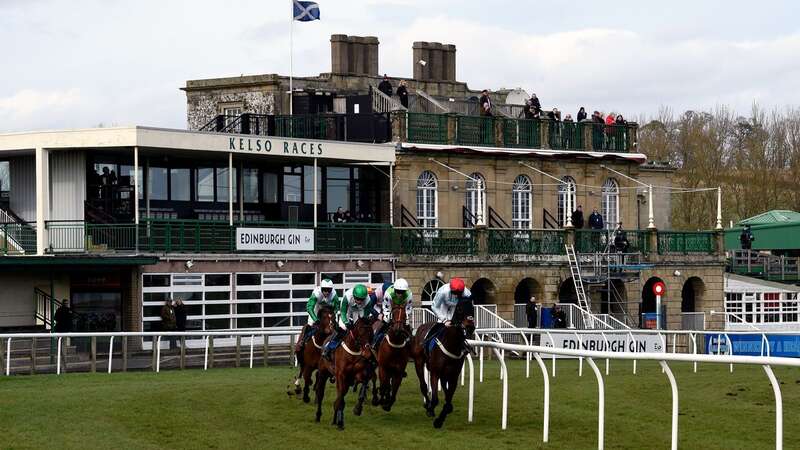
pixel 393 353
pixel 445 361
pixel 309 360
pixel 352 364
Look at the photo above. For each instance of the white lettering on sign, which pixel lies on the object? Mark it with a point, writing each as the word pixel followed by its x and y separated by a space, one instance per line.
pixel 275 239
pixel 618 343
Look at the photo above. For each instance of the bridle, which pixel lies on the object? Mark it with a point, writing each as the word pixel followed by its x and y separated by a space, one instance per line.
pixel 357 340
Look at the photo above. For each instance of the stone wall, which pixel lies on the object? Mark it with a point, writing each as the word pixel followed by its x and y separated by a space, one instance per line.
pixel 203 106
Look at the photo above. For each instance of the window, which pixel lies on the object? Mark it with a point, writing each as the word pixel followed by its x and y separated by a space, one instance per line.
pixel 250 185
pixel 427 199
pixel 180 185
pixel 157 183
pixel 429 291
pixel 338 184
pixel 231 113
pixel 610 203
pixel 222 184
pixel 204 190
pixel 308 185
pixel 476 198
pixel 521 203
pixel 566 199
pixel 292 184
pixel 270 187
pixel 5 179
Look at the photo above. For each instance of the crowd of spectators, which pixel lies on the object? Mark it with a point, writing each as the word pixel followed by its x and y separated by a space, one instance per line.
pixel 343 216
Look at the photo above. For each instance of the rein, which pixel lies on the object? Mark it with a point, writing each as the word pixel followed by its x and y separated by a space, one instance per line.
pixel 447 353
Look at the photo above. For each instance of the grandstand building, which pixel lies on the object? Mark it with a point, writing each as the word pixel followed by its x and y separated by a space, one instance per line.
pixel 239 215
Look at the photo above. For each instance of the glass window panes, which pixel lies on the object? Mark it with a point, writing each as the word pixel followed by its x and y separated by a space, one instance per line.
pixel 426 200
pixel 381 277
pixel 157 183
pixel 215 310
pixel 521 203
pixel 250 185
pixel 155 280
pixel 221 295
pixel 308 185
pixel 270 187
pixel 248 322
pixel 204 191
pixel 291 188
pixel 5 176
pixel 248 279
pixel 338 186
pixel 566 191
pixel 223 279
pixel 303 278
pixel 180 185
pixel 475 198
pixel 610 204
pixel 337 278
pixel 248 295
pixel 223 183
pixel 276 294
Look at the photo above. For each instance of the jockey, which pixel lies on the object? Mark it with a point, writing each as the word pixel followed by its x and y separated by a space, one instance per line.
pixel 354 305
pixel 396 294
pixel 444 305
pixel 324 295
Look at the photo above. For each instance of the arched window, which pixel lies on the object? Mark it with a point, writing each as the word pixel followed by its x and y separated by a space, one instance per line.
pixel 521 203
pixel 427 200
pixel 566 199
pixel 475 200
pixel 429 291
pixel 610 203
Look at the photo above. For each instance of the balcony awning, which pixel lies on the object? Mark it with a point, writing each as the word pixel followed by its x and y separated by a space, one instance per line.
pixel 79 260
pixel 502 151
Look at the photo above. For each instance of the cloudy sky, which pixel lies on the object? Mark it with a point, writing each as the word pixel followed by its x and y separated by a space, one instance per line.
pixel 67 64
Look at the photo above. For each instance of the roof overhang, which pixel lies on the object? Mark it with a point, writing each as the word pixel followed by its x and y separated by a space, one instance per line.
pixel 197 141
pixel 639 158
pixel 24 261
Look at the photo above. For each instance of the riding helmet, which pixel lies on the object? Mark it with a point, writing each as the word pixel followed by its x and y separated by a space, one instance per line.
pixel 456 285
pixel 360 292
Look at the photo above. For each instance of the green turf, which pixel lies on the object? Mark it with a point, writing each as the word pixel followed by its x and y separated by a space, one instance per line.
pixel 249 408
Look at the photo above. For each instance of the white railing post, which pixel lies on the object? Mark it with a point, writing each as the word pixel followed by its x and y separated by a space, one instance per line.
pixel 674 385
pixel 601 399
pixel 504 371
pixel 693 337
pixel 110 352
pixel 8 357
pixel 608 349
pixel 580 358
pixel 471 388
pixel 205 354
pixel 730 347
pixel 252 338
pixel 58 357
pixel 553 355
pixel 776 389
pixel 546 425
pixel 158 354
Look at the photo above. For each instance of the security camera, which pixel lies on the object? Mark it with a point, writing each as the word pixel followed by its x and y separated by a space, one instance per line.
pixel 279 264
pixel 423 63
pixel 677 273
pixel 440 275
pixel 360 263
pixel 189 264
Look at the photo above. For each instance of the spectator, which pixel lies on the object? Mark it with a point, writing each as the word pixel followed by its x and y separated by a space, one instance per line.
pixel 485 103
pixel 536 105
pixel 620 239
pixel 527 112
pixel 619 120
pixel 63 318
pixel 568 118
pixel 168 321
pixel 532 313
pixel 595 220
pixel 597 130
pixel 609 131
pixel 746 238
pixel 577 217
pixel 180 315
pixel 559 317
pixel 385 86
pixel 402 92
pixel 621 133
pixel 348 218
pixel 338 216
pixel 568 131
pixel 581 114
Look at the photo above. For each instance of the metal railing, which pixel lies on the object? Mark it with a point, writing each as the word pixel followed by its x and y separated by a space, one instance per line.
pixel 438 241
pixel 427 128
pixel 475 130
pixel 684 242
pixel 420 316
pixel 525 242
pixel 382 102
pixel 663 358
pixel 771 267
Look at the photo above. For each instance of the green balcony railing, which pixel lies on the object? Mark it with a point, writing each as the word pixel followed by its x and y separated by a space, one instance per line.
pixel 437 241
pixel 17 238
pixel 522 133
pixel 682 242
pixel 525 242
pixel 306 126
pixel 602 241
pixel 427 128
pixel 475 130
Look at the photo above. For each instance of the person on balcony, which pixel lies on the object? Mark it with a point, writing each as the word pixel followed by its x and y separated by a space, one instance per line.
pixel 581 114
pixel 620 239
pixel 402 92
pixel 485 104
pixel 63 318
pixel 609 131
pixel 597 130
pixel 385 86
pixel 595 220
pixel 536 106
pixel 577 218
pixel 569 131
pixel 746 238
pixel 338 216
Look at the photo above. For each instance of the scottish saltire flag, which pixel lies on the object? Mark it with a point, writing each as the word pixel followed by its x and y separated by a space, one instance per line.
pixel 305 11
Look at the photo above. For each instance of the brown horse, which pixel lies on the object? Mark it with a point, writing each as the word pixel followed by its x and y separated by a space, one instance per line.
pixel 393 352
pixel 309 360
pixel 352 364
pixel 445 361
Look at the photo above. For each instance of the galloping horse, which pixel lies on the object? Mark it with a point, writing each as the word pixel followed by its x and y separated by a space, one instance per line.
pixel 445 360
pixel 309 359
pixel 393 352
pixel 352 364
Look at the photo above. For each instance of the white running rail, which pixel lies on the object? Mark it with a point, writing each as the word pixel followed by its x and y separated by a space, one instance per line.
pixel 420 316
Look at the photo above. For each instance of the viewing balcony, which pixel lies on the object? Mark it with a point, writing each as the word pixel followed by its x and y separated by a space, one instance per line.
pixel 437 129
pixel 167 236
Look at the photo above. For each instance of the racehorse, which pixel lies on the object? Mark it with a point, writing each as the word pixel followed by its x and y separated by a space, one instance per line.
pixel 393 352
pixel 445 360
pixel 352 364
pixel 309 359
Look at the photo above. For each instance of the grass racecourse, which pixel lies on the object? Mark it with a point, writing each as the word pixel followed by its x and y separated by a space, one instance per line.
pixel 249 408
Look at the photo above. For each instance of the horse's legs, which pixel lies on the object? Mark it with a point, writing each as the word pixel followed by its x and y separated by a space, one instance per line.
pixel 434 394
pixel 362 395
pixel 319 389
pixel 419 365
pixel 383 376
pixel 375 399
pixel 449 387
pixel 307 382
pixel 396 380
pixel 338 405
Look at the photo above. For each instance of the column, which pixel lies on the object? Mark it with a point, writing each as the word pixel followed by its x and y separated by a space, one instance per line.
pixel 391 194
pixel 136 185
pixel 42 198
pixel 650 219
pixel 316 168
pixel 230 189
pixel 719 208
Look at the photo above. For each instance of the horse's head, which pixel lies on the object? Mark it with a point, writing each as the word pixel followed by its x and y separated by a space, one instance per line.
pixel 398 328
pixel 326 319
pixel 464 317
pixel 362 334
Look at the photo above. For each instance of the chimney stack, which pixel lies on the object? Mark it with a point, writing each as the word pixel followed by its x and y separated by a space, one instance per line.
pixel 439 61
pixel 354 55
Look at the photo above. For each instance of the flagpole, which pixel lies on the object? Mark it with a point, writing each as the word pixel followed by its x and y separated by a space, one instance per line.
pixel 291 66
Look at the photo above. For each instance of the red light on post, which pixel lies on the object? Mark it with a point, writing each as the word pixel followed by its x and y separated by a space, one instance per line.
pixel 659 288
